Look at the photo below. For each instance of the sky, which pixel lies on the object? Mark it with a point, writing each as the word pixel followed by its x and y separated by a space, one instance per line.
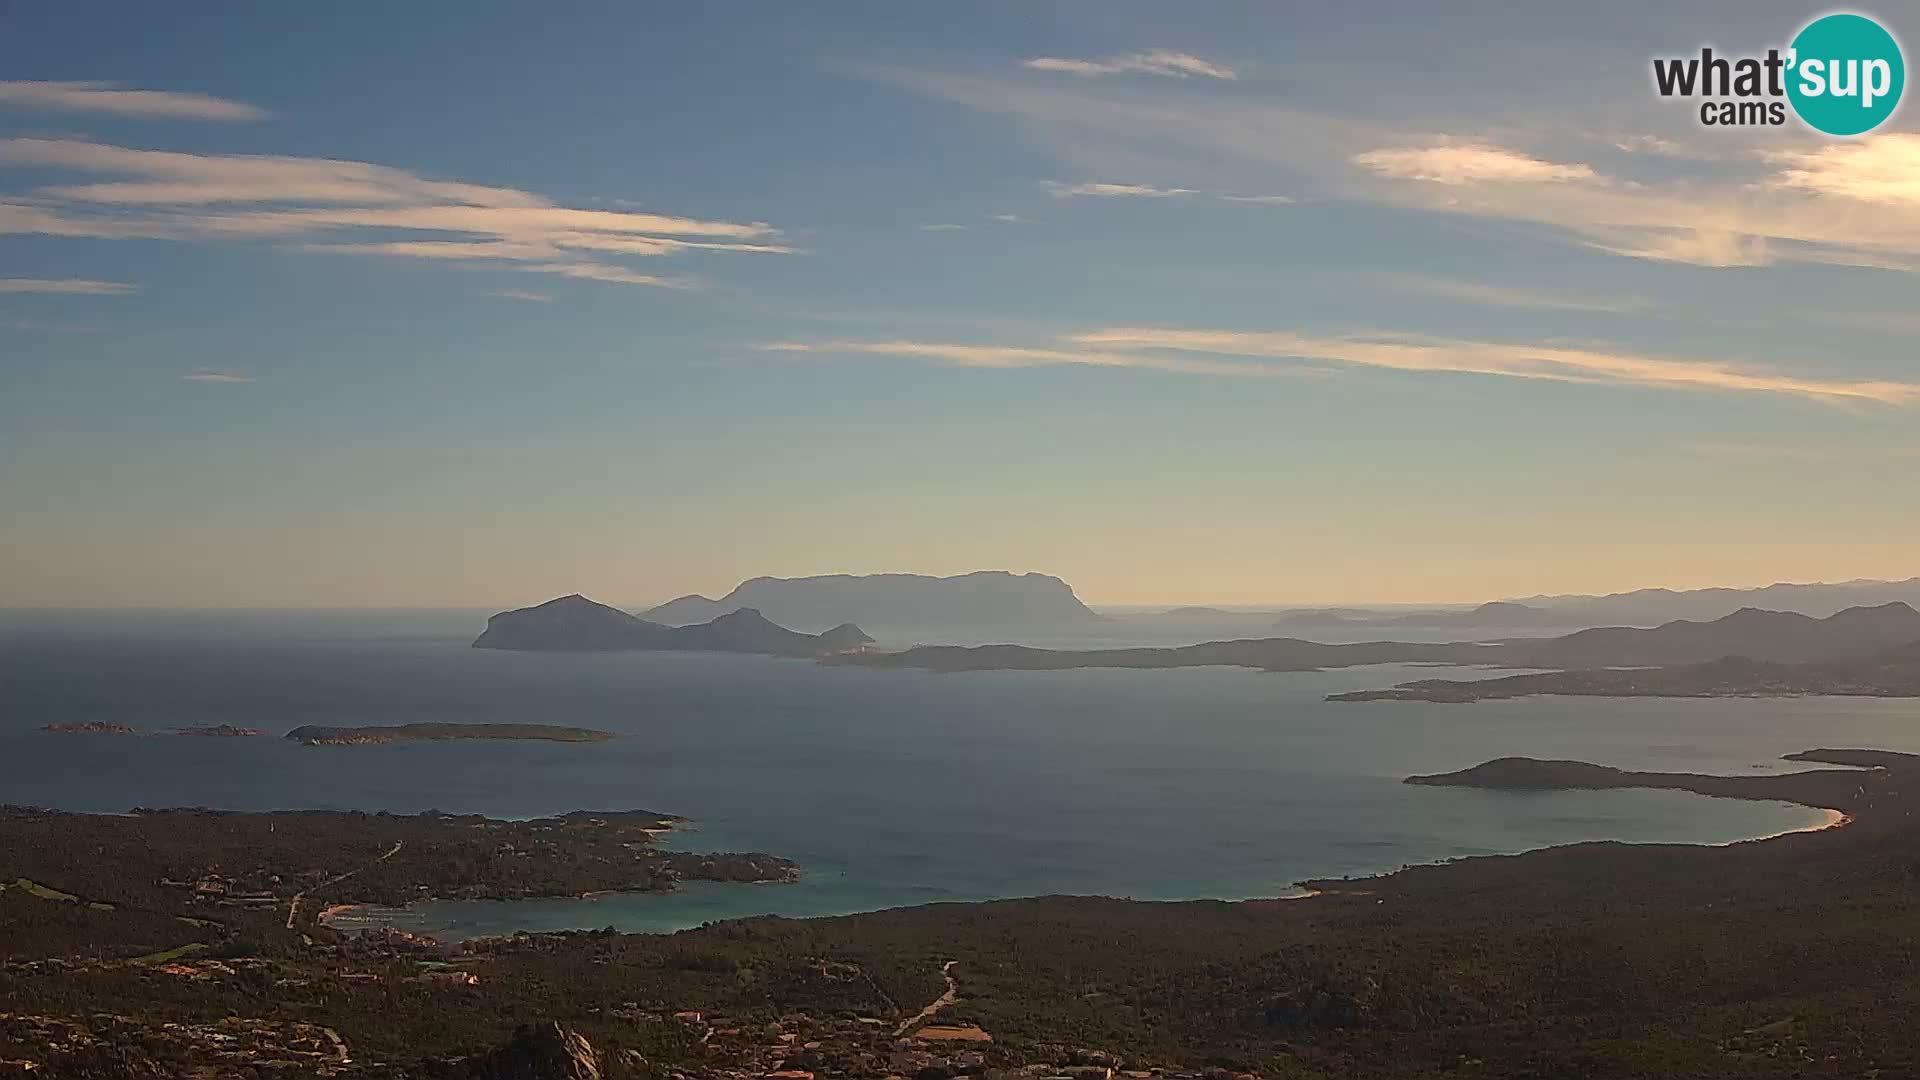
pixel 456 304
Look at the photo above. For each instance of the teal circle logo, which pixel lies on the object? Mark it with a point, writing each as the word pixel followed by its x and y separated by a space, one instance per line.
pixel 1846 75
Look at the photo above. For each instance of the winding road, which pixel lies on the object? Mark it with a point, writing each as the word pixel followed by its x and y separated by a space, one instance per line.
pixel 293 906
pixel 951 995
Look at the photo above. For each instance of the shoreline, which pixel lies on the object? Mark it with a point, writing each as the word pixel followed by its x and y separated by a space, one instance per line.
pixel 1306 889
pixel 1833 819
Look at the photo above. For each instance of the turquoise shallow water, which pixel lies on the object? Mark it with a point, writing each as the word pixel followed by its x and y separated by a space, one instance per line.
pixel 889 788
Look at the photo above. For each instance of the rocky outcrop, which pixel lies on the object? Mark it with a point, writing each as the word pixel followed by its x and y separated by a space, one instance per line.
pixel 542 1051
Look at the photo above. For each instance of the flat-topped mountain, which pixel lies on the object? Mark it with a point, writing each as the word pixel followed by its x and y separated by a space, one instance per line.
pixel 982 598
pixel 577 624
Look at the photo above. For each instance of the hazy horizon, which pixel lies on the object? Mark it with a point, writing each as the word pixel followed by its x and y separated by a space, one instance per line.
pixel 1098 604
pixel 1168 301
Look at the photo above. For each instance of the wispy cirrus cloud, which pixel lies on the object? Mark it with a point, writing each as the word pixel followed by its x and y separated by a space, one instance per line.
pixel 349 208
pixel 1842 203
pixel 1060 190
pixel 1264 354
pixel 1164 62
pixel 943 226
pixel 109 97
pixel 1885 170
pixel 67 286
pixel 1513 296
pixel 521 294
pixel 1011 356
pixel 207 375
pixel 1468 163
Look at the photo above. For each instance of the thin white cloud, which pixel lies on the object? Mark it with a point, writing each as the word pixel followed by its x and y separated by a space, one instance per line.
pixel 1268 354
pixel 521 294
pixel 1884 170
pixel 1260 200
pixel 619 275
pixel 1840 203
pixel 1468 163
pixel 110 97
pixel 68 286
pixel 1060 190
pixel 1654 144
pixel 202 197
pixel 1014 219
pixel 944 227
pixel 1164 62
pixel 1011 356
pixel 205 375
pixel 1512 296
pixel 1549 361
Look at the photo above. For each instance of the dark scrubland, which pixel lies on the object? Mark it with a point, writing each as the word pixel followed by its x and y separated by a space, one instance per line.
pixel 1787 957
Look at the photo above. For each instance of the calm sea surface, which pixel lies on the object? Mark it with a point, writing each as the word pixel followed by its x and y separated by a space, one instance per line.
pixel 889 788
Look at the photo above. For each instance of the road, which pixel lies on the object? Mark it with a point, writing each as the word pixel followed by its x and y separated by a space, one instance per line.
pixel 293 906
pixel 952 995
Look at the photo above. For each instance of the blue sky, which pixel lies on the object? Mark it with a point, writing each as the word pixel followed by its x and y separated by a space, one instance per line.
pixel 449 304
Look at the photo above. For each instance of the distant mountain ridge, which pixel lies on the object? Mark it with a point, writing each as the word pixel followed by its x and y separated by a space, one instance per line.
pixel 994 598
pixel 576 624
pixel 1494 613
pixel 1895 673
pixel 1765 636
pixel 1645 606
pixel 1778 636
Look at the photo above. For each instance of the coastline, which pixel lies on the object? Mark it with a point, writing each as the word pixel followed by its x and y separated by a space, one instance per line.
pixel 415 916
pixel 1833 819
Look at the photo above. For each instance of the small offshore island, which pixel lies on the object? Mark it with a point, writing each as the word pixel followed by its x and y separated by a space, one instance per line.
pixel 104 727
pixel 380 734
pixel 208 933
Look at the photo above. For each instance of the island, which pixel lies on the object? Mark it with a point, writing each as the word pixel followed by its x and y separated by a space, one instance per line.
pixel 220 731
pixel 90 727
pixel 376 734
pixel 103 727
pixel 984 598
pixel 576 624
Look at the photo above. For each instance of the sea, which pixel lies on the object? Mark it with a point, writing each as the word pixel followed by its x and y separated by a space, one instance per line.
pixel 889 788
